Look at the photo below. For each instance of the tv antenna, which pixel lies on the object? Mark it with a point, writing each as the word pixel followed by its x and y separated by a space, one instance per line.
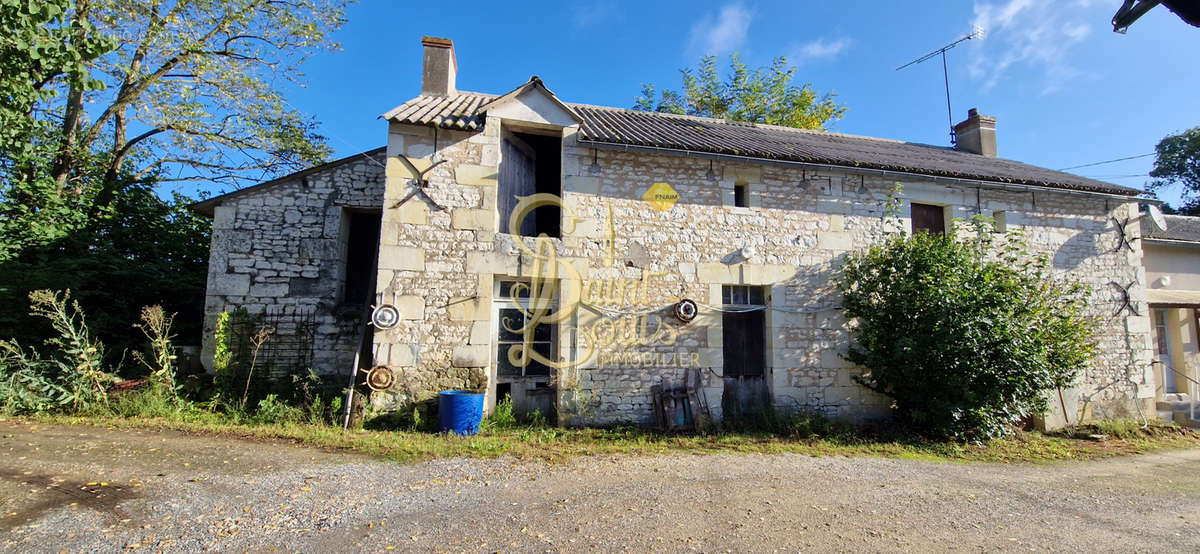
pixel 976 32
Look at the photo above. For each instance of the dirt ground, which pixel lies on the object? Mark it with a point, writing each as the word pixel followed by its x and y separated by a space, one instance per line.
pixel 79 488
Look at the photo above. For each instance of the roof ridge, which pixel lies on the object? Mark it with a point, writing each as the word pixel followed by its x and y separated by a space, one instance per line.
pixel 705 119
pixel 749 123
pixel 761 140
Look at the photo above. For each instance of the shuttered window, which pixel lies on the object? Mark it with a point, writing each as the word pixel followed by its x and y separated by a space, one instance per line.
pixel 928 218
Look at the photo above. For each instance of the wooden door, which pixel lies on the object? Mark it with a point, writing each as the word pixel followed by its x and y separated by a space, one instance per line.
pixel 744 345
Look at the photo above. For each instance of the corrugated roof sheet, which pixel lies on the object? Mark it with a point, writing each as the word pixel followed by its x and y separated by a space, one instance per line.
pixel 1184 228
pixel 769 142
pixel 448 112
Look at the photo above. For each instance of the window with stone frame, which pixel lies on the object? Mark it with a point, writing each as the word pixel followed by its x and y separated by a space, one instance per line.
pixel 928 218
pixel 741 194
pixel 511 319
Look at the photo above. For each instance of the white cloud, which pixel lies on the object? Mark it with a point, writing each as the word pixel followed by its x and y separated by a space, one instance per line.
pixel 586 14
pixel 721 33
pixel 1029 35
pixel 820 49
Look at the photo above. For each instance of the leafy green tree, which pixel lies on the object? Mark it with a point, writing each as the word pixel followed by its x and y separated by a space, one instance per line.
pixel 143 251
pixel 763 95
pixel 41 51
pixel 112 91
pixel 967 336
pixel 1178 163
pixel 104 102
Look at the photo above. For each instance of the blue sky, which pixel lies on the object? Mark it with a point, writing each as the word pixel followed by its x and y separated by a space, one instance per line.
pixel 1065 89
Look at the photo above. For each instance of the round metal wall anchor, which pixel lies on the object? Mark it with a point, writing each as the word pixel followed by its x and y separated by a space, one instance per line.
pixel 685 310
pixel 380 377
pixel 385 316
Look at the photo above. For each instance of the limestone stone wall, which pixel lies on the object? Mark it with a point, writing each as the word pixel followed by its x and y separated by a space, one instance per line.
pixel 281 248
pixel 442 251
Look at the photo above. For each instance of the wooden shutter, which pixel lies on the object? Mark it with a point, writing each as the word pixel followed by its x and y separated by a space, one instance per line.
pixel 517 178
pixel 928 218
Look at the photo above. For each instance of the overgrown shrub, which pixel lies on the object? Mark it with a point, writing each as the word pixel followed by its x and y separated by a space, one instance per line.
pixel 160 356
pixel 27 386
pixel 239 376
pixel 966 335
pixel 70 378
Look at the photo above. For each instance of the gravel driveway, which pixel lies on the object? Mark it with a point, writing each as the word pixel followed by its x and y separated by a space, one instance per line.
pixel 78 488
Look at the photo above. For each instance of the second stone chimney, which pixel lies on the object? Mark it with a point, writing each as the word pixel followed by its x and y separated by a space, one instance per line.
pixel 977 134
pixel 440 67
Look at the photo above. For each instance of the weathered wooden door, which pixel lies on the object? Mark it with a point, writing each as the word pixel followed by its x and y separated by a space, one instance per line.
pixel 744 337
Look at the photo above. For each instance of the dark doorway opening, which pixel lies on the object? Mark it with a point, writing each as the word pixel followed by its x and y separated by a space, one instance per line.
pixel 362 254
pixel 744 334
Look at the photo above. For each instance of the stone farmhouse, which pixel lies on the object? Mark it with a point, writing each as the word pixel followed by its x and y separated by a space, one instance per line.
pixel 671 248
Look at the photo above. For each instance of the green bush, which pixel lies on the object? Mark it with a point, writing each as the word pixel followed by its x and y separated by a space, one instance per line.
pixel 966 335
pixel 273 410
pixel 502 417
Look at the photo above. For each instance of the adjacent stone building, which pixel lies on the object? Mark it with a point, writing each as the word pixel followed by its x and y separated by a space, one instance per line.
pixel 554 253
pixel 1172 260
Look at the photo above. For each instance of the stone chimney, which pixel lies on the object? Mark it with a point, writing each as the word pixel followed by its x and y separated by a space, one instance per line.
pixel 977 134
pixel 440 67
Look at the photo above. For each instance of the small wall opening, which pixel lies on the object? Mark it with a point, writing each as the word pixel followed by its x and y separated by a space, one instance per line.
pixel 362 254
pixel 741 195
pixel 530 163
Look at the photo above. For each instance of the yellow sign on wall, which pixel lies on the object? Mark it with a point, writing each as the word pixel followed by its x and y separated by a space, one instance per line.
pixel 661 196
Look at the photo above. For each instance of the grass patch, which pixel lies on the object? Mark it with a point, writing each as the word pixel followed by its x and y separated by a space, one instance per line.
pixel 554 444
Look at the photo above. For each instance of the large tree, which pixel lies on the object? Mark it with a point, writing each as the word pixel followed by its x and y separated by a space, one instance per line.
pixel 1177 162
pixel 38 57
pixel 104 101
pixel 763 95
pixel 163 89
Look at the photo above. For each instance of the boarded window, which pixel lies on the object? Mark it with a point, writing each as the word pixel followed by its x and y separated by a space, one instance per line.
pixel 743 331
pixel 362 251
pixel 529 164
pixel 928 218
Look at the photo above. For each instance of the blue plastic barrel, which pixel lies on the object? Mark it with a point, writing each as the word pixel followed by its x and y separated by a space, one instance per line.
pixel 460 411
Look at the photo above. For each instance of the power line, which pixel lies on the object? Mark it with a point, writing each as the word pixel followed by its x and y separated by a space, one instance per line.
pixel 1108 161
pixel 1117 176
